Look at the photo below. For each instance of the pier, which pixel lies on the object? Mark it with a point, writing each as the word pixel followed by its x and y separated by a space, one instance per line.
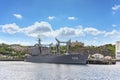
pixel 93 61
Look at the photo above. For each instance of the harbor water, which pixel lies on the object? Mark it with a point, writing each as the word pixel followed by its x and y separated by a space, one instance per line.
pixel 19 70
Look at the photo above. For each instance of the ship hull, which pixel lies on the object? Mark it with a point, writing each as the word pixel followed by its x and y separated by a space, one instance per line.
pixel 59 59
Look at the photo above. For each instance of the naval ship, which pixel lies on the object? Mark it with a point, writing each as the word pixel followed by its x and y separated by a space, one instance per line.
pixel 43 54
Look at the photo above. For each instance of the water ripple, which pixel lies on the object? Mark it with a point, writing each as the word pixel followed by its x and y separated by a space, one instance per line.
pixel 42 71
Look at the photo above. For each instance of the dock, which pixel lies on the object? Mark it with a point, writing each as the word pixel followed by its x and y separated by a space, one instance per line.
pixel 93 61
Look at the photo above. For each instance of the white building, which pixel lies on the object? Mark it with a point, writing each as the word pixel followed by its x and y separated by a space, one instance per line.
pixel 98 56
pixel 118 50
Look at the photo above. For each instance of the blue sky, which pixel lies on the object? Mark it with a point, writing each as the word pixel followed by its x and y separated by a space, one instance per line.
pixel 94 22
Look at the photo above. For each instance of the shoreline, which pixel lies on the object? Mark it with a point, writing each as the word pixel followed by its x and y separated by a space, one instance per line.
pixel 11 59
pixel 93 63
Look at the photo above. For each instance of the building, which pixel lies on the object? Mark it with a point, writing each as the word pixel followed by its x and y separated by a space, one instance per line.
pixel 118 50
pixel 77 43
pixel 98 56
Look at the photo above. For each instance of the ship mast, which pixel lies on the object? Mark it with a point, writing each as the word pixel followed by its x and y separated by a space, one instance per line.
pixel 67 46
pixel 39 44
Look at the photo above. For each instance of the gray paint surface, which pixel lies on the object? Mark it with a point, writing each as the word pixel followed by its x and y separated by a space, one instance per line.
pixel 61 59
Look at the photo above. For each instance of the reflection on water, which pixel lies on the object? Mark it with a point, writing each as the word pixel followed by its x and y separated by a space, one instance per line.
pixel 42 71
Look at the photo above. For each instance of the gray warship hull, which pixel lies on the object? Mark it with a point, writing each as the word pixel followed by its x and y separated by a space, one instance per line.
pixel 43 54
pixel 59 59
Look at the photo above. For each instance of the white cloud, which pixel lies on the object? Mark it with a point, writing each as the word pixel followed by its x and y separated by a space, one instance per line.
pixel 19 16
pixel 95 38
pixel 116 7
pixel 38 28
pixel 10 28
pixel 71 18
pixel 114 25
pixel 35 30
pixel 80 31
pixel 93 31
pixel 51 17
pixel 65 31
pixel 44 29
pixel 113 33
pixel 2 41
pixel 69 32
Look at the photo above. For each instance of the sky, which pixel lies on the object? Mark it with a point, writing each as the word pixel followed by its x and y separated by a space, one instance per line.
pixel 93 22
